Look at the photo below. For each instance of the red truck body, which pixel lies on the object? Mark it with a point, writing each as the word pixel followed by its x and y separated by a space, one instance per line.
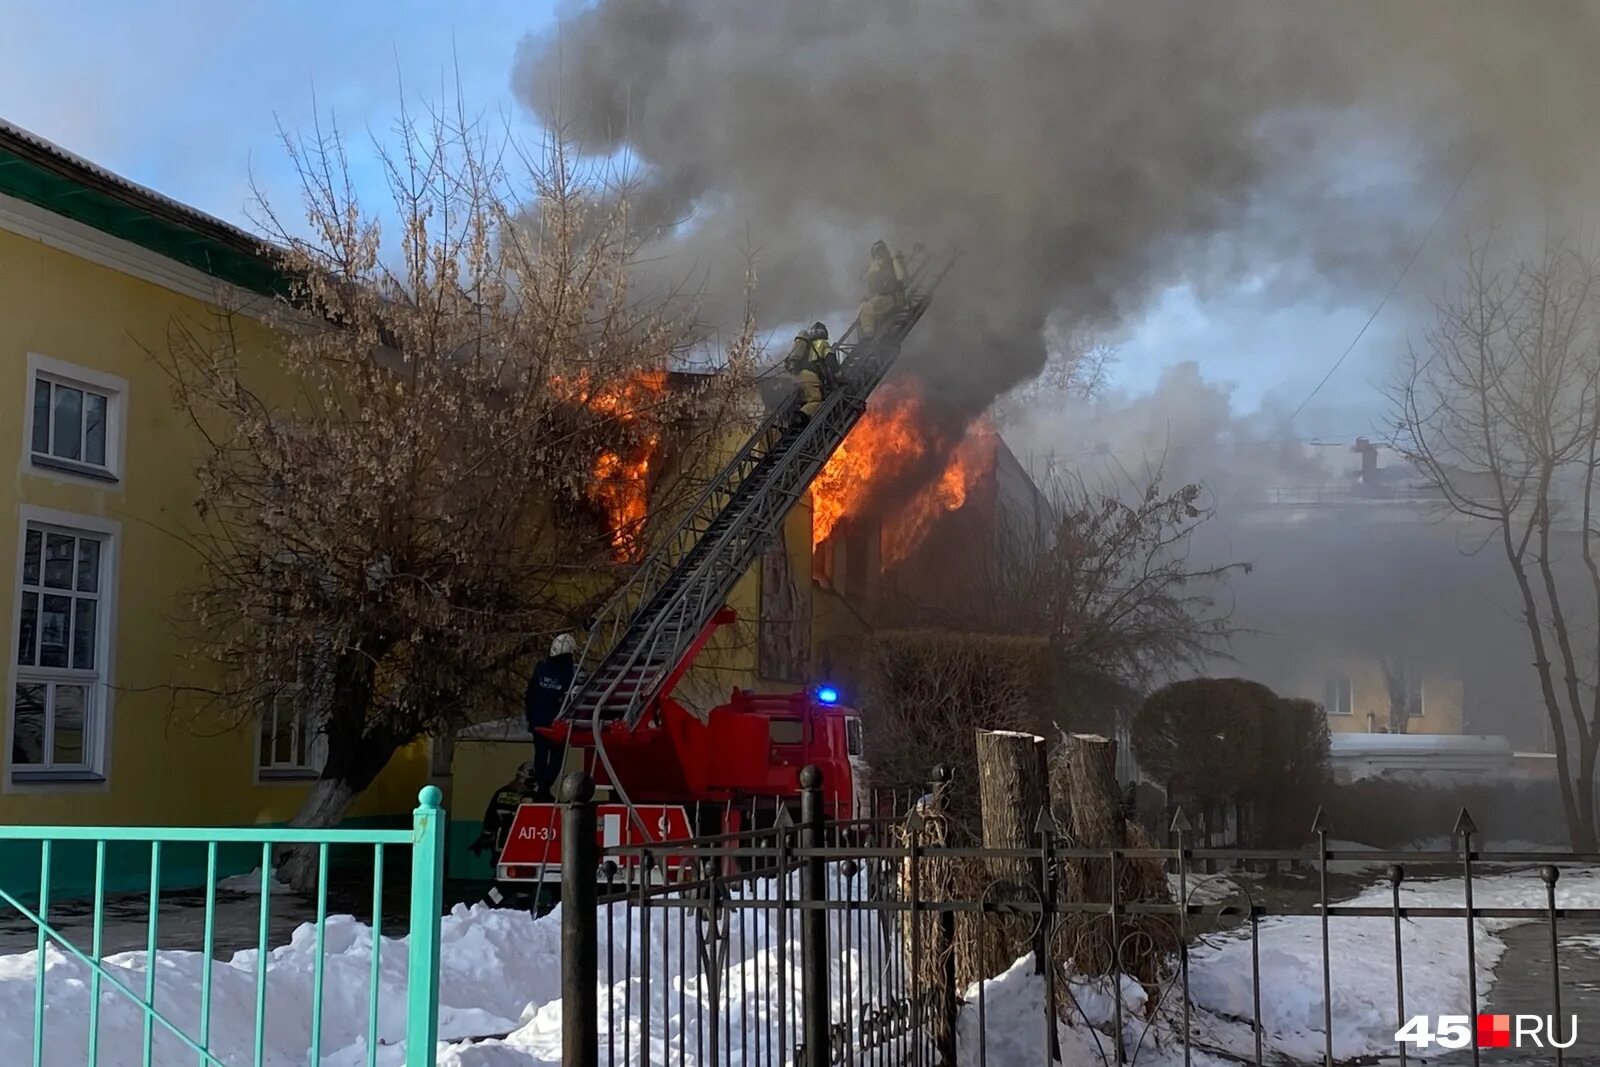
pixel 734 769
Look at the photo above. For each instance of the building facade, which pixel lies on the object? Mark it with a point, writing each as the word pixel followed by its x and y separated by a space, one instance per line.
pixel 94 272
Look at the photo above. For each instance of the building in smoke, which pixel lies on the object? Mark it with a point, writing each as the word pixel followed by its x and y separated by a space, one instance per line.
pixel 943 555
pixel 1371 596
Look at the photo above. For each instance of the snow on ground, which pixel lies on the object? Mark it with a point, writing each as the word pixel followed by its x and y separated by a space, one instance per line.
pixel 1204 889
pixel 501 975
pixel 251 883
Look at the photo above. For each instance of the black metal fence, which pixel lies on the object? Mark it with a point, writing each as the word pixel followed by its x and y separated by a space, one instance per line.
pixel 808 942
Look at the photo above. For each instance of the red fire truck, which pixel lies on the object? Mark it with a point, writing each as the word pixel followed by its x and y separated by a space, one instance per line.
pixel 684 776
pixel 665 771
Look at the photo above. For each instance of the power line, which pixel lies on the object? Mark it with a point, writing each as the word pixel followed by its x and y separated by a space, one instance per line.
pixel 1381 304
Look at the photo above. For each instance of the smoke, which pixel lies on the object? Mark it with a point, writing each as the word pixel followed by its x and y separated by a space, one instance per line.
pixel 1081 155
pixel 1085 155
pixel 1338 585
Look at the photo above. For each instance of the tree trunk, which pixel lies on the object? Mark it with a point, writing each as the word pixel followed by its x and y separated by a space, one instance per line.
pixel 1013 788
pixel 356 752
pixel 1084 772
pixel 1087 775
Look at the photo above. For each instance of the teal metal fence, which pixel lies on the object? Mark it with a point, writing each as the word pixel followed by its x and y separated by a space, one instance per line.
pixel 198 1040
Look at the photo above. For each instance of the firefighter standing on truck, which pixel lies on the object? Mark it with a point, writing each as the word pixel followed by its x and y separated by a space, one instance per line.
pixel 547 689
pixel 810 360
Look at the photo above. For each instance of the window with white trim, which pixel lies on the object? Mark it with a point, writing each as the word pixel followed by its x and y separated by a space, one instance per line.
pixel 73 423
pixel 1414 705
pixel 291 744
pixel 57 711
pixel 1337 697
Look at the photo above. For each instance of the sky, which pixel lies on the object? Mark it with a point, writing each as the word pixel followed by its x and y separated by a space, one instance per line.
pixel 189 99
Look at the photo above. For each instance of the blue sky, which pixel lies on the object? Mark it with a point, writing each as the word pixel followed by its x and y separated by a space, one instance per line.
pixel 187 98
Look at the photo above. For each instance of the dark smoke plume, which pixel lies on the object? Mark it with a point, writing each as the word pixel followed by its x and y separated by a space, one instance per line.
pixel 1081 153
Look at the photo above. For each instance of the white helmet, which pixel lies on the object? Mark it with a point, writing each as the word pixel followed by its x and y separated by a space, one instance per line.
pixel 564 645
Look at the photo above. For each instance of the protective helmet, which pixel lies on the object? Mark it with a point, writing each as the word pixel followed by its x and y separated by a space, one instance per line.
pixel 563 645
pixel 879 248
pixel 818 331
pixel 525 772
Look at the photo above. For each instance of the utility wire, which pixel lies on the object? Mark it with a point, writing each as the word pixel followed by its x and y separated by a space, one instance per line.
pixel 1382 303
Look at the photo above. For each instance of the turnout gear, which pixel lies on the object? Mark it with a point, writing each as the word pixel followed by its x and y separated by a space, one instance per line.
pixel 886 288
pixel 501 810
pixel 811 361
pixel 547 690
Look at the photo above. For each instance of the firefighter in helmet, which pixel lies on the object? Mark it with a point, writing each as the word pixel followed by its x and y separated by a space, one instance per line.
pixel 502 809
pixel 810 360
pixel 547 690
pixel 886 288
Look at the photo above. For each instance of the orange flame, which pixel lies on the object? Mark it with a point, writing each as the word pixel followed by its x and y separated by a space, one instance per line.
pixel 620 483
pixel 969 461
pixel 886 444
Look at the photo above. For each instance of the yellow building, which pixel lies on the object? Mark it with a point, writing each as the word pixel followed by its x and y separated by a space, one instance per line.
pixel 1355 692
pixel 93 272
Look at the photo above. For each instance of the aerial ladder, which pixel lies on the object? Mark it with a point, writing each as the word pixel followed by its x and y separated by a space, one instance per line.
pixel 662 759
pixel 647 626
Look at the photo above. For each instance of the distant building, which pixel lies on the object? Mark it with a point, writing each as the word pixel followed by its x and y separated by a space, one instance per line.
pixel 1372 597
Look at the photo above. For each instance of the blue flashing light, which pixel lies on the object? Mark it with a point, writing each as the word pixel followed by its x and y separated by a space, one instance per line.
pixel 827 695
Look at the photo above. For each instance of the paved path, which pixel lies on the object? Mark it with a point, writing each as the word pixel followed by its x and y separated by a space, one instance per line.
pixel 1522 987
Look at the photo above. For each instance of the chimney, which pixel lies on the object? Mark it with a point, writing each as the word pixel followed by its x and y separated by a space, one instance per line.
pixel 1369 460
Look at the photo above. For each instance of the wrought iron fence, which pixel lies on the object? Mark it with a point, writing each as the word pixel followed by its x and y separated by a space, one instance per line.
pixel 811 943
pixel 164 1039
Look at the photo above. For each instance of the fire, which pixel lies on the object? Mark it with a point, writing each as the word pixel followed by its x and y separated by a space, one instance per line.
pixel 885 445
pixel 972 457
pixel 620 483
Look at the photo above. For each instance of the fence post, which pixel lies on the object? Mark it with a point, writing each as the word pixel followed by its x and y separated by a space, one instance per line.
pixel 427 908
pixel 813 923
pixel 580 864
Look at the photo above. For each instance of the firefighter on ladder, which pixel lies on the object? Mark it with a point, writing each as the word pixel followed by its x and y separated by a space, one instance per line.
pixel 886 288
pixel 811 361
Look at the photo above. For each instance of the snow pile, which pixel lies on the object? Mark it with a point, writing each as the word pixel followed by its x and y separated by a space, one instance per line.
pixel 501 976
pixel 494 963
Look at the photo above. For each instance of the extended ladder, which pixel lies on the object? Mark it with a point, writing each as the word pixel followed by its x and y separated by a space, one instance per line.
pixel 647 626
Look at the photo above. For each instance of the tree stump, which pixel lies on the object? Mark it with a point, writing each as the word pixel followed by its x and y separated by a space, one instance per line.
pixel 1013 788
pixel 1091 813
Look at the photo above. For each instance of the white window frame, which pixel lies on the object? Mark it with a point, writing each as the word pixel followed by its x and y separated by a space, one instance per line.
pixel 1415 687
pixel 315 745
pixel 114 389
pixel 100 703
pixel 1332 693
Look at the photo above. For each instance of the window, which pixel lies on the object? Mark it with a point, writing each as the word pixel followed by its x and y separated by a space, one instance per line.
pixel 58 694
pixel 291 743
pixel 288 738
pixel 1337 699
pixel 788 732
pixel 1414 705
pixel 73 419
pixel 852 736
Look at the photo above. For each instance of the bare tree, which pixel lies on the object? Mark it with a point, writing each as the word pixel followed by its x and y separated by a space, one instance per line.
pixel 1113 586
pixel 1500 410
pixel 442 457
pixel 1397 683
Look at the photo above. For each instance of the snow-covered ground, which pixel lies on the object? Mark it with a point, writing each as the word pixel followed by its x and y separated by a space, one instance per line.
pixel 501 975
